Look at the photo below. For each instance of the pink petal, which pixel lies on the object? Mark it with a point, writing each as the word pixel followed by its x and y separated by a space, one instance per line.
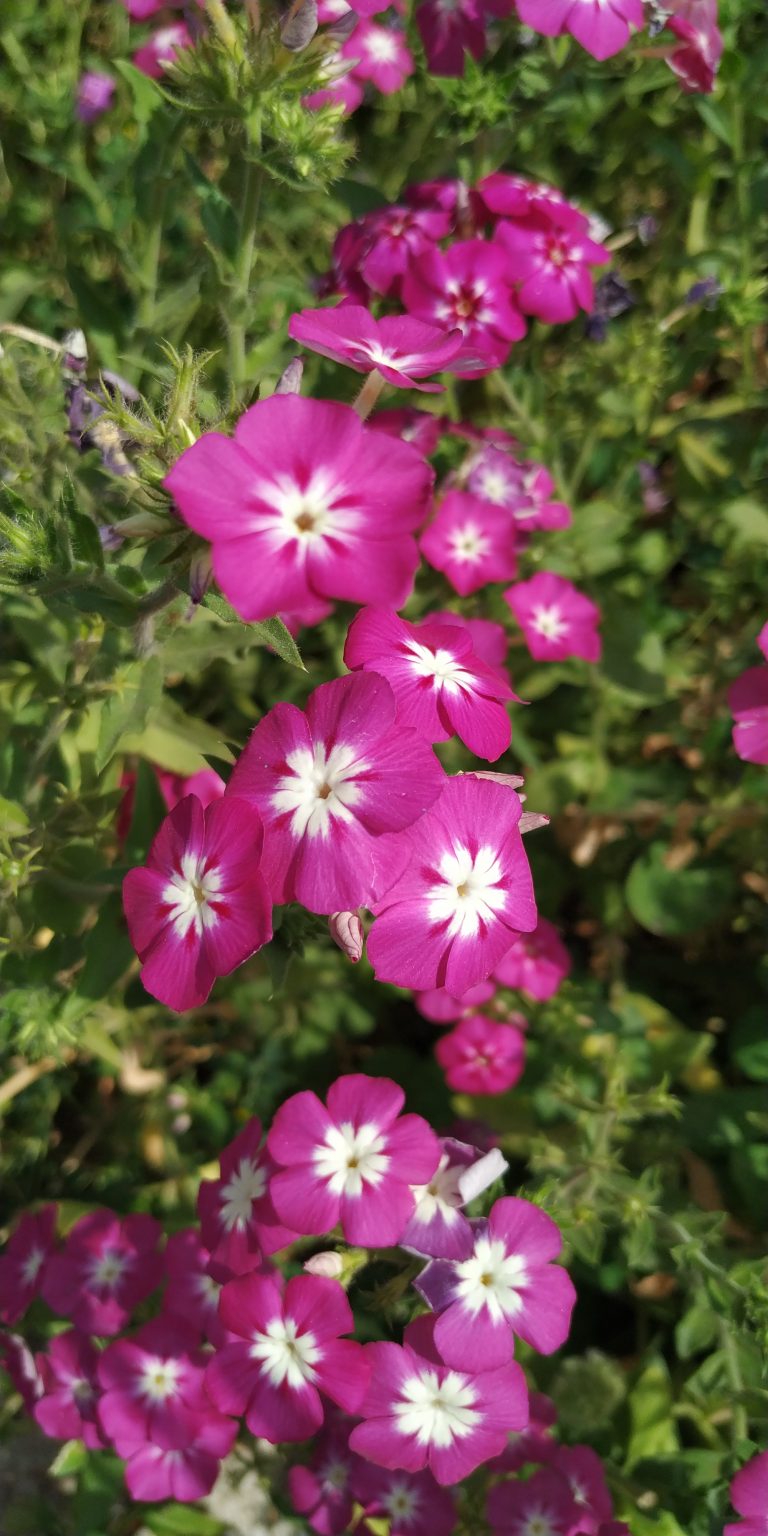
pixel 365 1100
pixel 343 1373
pixel 318 1305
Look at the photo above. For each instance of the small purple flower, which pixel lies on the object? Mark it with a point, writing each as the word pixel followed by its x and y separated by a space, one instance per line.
pixel 706 292
pixel 94 95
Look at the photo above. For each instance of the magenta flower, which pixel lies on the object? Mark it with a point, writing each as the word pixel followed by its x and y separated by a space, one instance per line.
pixel 354 1161
pixel 238 1222
pixel 20 1365
pixel 328 784
pixel 402 350
pixel 748 703
pixel 524 489
pixel 422 1413
pixel 471 542
pixel 325 1491
pixel 697 58
pixel 467 287
pixel 449 28
pixel 502 195
pixel 106 1268
pixel 287 1352
pixel 417 427
pixel 393 237
pixel 543 1503
pixel 536 964
pixel 465 894
pixel 749 1497
pixel 199 906
pixel 379 54
pixel 441 1007
pixel 23 1264
pixel 206 785
pixel 601 26
pixel 141 10
pixel 551 267
pixel 95 91
pixel 304 502
pixel 762 640
pixel 489 639
pixel 412 1502
pixel 194 1285
pixel 438 1227
pixel 442 688
pixel 583 1471
pixel 556 619
pixel 68 1371
pixel 535 1444
pixel 482 1056
pixel 503 1286
pixel 161 48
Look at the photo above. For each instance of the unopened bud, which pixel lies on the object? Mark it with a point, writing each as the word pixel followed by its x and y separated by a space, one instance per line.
pixel 327 1265
pixel 346 930
pixel 530 821
pixel 200 576
pixel 289 382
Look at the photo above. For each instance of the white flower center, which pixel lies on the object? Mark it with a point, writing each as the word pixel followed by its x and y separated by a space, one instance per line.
pixel 401 1502
pixel 493 486
pixel 349 1158
pixel 209 1290
pixel 468 544
pixel 107 1269
pixel 381 46
pixel 491 1280
pixel 441 1196
pixel 319 788
pixel 81 1390
pixel 285 1354
pixel 549 622
pixel 334 1476
pixel 437 1412
pixel 440 665
pixel 537 1524
pixel 237 1197
pixel 30 1266
pixel 305 515
pixel 189 894
pixel 470 893
pixel 159 1379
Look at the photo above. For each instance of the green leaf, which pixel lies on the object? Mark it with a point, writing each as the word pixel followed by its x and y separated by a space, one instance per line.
pixel 652 1431
pixel 633 652
pixel 748 1042
pixel 176 741
pixel 747 520
pixel 696 1331
pixel 670 902
pixel 271 632
pixel 147 95
pixel 181 1520
pixel 86 544
pixel 149 809
pixel 13 818
pixel 139 688
pixel 89 597
pixel 71 1458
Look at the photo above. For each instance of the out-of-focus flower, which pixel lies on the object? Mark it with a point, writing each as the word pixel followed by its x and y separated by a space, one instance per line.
pixel 379 54
pixel 481 1055
pixel 448 29
pixel 161 48
pixel 514 1506
pixel 552 269
pixel 748 703
pixel 556 619
pixel 23 1263
pixel 68 1371
pixel 537 963
pixel 238 1222
pixel 404 351
pixel 471 542
pixel 749 1497
pixel 601 26
pixel 105 1269
pixel 94 95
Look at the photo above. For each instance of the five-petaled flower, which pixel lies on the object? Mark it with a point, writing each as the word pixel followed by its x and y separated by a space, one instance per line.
pixel 403 350
pixel 68 1371
pixel 536 964
pixel 556 619
pixel 480 1055
pixel 601 26
pixel 106 1267
pixel 238 1222
pixel 22 1265
pixel 471 542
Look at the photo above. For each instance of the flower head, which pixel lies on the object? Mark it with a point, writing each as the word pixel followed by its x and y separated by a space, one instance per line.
pixel 552 269
pixel 583 1471
pixel 448 29
pixel 749 1497
pixel 536 964
pixel 326 1490
pixel 524 489
pixel 748 703
pixel 467 287
pixel 541 1506
pixel 68 1371
pixel 471 542
pixel 481 1055
pixel 556 619
pixel 696 59
pixel 601 26
pixel 106 1268
pixel 441 1007
pixel 412 1502
pixel 94 95
pixel 238 1222
pixel 379 54
pixel 23 1264
pixel 401 349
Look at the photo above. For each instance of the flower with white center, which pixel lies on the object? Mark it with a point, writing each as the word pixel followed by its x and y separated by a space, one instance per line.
pixel 286 1355
pixel 549 622
pixel 469 544
pixel 541 1506
pixel 437 1409
pixel 107 1269
pixel 556 619
pixel 240 1193
pixel 401 1502
pixel 159 1379
pixel 320 788
pixel 441 1196
pixel 491 1279
pixel 189 896
pixel 350 1158
pixel 237 1218
pixel 471 541
pixel 23 1263
pixel 469 893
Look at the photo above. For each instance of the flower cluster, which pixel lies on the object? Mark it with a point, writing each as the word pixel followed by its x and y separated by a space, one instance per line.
pixel 232 1338
pixel 370 50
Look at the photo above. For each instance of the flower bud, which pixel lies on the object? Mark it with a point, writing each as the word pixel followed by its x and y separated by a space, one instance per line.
pixel 346 930
pixel 289 382
pixel 327 1265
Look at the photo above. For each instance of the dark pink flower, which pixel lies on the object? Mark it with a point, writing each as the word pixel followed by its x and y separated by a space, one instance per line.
pixel 465 893
pixel 748 703
pixel 556 619
pixel 601 26
pixel 442 688
pixel 206 785
pixel 341 89
pixel 328 784
pixel 94 95
pixel 402 350
pixel 421 1413
pixel 23 1264
pixel 551 268
pixel 194 1285
pixel 288 1350
pixel 441 1007
pixel 449 28
pixel 503 1286
pixel 536 1444
pixel 583 1471
pixel 393 237
pixel 762 640
pixel 514 1507
pixel 199 906
pixel 412 1502
pixel 68 1371
pixel 481 1055
pixel 20 1365
pixel 502 195
pixel 304 502
pixel 438 1227
pixel 749 1497
pixel 325 1491
pixel 524 489
pixel 417 427
pixel 238 1222
pixel 106 1268
pixel 696 60
pixel 354 1161
pixel 161 48
pixel 536 964
pixel 467 287
pixel 471 542
pixel 379 54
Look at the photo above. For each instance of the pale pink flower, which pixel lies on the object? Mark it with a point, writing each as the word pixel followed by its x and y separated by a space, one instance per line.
pixel 438 1227
pixel 480 1055
pixel 379 54
pixel 23 1263
pixel 749 1497
pixel 106 1268
pixel 404 351
pixel 467 287
pixel 464 895
pixel 353 1161
pixel 449 28
pixel 304 502
pixel 514 1507
pixel 199 906
pixel 238 1222
pixel 556 619
pixel 748 703
pixel 68 1371
pixel 601 26
pixel 328 784
pixel 536 964
pixel 551 268
pixel 161 48
pixel 471 542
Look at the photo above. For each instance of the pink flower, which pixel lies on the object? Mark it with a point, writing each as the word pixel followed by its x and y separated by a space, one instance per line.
pixel 238 1222
pixel 393 237
pixel 194 1285
pixel 417 427
pixel 583 1471
pixel 534 1444
pixel 107 1267
pixel 304 502
pixel 287 1352
pixel 749 1497
pixel 697 59
pixel 341 89
pixel 470 542
pixel 601 26
pixel 489 640
pixel 354 1161
pixel 449 194
pixel 551 267
pixel 441 1007
pixel 556 619
pixel 199 906
pixel 68 1371
pixel 161 49
pixel 502 195
pixel 514 1507
pixel 402 350
pixel 467 287
pixel 748 703
pixel 325 1491
pixel 155 1412
pixel 762 640
pixel 328 784
pixel 465 893
pixel 449 28
pixel 482 1056
pixel 379 54
pixel 536 964
pixel 206 785
pixel 412 1502
pixel 421 1413
pixel 442 688
pixel 20 1365
pixel 438 1228
pixel 94 95
pixel 24 1261
pixel 524 489
pixel 503 1286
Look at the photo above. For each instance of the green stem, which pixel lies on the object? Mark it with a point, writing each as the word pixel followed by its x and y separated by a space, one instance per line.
pixel 149 265
pixel 243 267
